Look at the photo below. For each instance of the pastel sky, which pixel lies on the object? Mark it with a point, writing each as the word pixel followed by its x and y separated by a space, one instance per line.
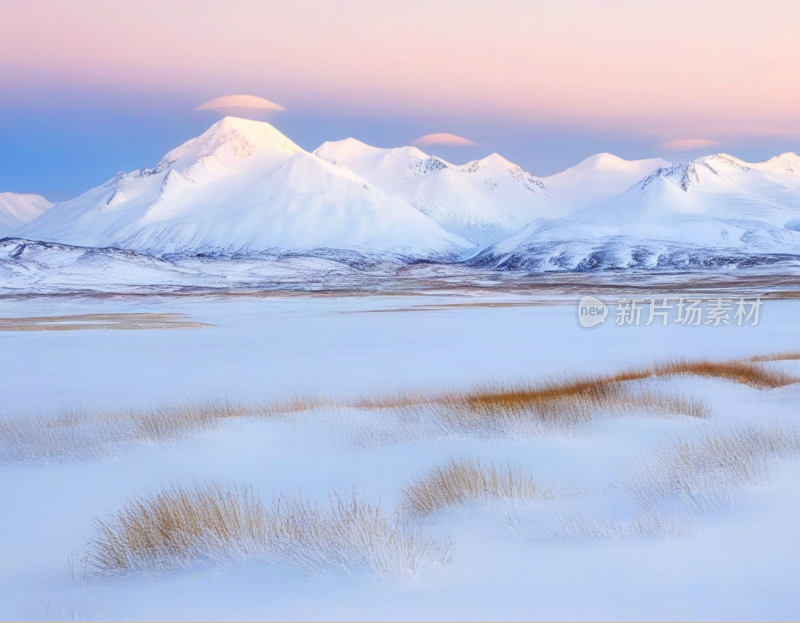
pixel 90 87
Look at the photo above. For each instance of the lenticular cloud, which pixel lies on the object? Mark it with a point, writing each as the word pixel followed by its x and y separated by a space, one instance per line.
pixel 227 103
pixel 442 138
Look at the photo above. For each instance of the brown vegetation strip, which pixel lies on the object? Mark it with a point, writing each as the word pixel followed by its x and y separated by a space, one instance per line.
pixel 597 388
pixel 83 322
pixel 490 408
pixel 787 356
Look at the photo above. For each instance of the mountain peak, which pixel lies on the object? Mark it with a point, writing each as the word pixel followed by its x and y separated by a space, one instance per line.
pixel 785 164
pixel 354 153
pixel 232 140
pixel 598 178
pixel 609 162
pixel 724 160
pixel 603 160
pixel 498 160
pixel 16 209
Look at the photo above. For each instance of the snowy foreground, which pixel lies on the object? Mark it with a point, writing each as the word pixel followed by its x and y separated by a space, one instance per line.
pixel 615 534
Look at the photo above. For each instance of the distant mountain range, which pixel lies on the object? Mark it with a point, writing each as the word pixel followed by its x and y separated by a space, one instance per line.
pixel 244 190
pixel 17 209
pixel 715 211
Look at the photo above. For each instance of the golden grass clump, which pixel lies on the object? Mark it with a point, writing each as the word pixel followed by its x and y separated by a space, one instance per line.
pixel 461 481
pixel 179 526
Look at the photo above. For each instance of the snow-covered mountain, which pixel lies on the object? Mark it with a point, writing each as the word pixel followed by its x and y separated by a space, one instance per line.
pixel 482 201
pixel 17 209
pixel 598 179
pixel 242 187
pixel 713 211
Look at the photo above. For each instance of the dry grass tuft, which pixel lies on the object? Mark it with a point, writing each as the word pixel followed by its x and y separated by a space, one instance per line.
pixel 178 526
pixel 703 473
pixel 459 482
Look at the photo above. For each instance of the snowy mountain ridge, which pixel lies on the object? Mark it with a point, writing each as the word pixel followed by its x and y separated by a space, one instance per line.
pixel 710 212
pixel 483 201
pixel 242 188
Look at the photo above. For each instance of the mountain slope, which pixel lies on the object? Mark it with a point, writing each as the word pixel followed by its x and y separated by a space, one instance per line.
pixel 598 179
pixel 243 187
pixel 17 209
pixel 483 201
pixel 713 211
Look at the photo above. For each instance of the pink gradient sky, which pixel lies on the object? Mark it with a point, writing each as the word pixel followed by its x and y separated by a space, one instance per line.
pixel 675 68
pixel 90 87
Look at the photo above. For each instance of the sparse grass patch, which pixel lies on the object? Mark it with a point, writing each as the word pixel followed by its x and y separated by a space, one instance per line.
pixel 702 473
pixel 581 526
pixel 787 356
pixel 181 525
pixel 74 435
pixel 461 481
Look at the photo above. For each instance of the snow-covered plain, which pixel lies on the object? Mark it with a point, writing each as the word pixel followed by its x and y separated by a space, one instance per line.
pixel 732 561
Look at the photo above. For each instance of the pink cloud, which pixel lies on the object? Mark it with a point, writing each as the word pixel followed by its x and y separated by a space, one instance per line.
pixel 442 138
pixel 688 144
pixel 596 74
pixel 231 102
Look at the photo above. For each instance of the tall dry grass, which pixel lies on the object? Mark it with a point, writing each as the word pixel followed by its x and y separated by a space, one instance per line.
pixel 555 406
pixel 179 526
pixel 460 481
pixel 566 403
